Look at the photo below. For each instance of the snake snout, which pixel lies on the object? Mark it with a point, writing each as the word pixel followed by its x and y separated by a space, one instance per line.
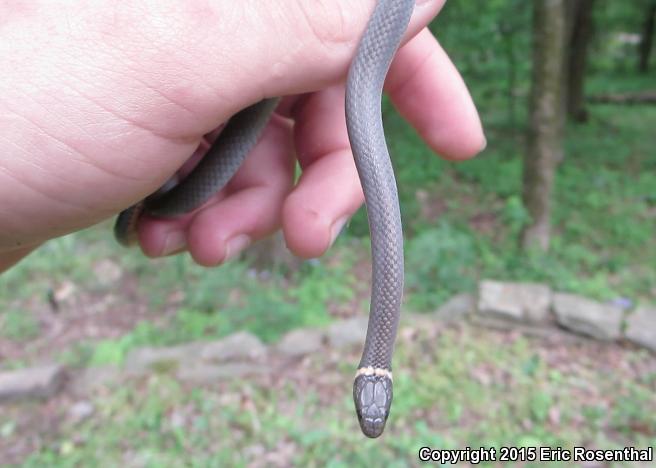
pixel 373 398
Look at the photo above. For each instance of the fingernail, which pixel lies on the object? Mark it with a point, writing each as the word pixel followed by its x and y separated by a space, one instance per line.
pixel 235 245
pixel 175 241
pixel 484 145
pixel 337 227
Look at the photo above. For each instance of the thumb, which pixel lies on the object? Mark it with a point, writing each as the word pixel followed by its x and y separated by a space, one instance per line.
pixel 292 47
pixel 216 57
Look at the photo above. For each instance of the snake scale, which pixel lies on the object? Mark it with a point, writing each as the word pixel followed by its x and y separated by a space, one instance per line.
pixel 372 388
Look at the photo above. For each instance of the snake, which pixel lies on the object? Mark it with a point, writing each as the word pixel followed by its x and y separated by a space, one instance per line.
pixel 372 386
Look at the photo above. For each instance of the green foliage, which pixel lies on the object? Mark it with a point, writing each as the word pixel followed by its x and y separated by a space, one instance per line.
pixel 77 355
pixel 68 258
pixel 318 285
pixel 614 21
pixel 226 300
pixel 540 404
pixel 439 263
pixel 18 325
pixel 514 215
pixel 629 412
pixel 492 45
pixel 110 352
pixel 493 174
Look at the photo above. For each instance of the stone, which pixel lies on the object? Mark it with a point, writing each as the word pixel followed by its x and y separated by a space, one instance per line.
pixel 211 374
pixel 641 327
pixel 300 342
pixel 587 317
pixel 31 383
pixel 523 302
pixel 544 331
pixel 81 410
pixel 348 332
pixel 92 378
pixel 161 359
pixel 177 419
pixel 64 296
pixel 107 272
pixel 456 307
pixel 411 321
pixel 235 347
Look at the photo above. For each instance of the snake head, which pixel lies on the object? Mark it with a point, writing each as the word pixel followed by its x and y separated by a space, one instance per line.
pixel 372 394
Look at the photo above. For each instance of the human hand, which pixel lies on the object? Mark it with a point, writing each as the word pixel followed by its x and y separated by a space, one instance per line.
pixel 102 102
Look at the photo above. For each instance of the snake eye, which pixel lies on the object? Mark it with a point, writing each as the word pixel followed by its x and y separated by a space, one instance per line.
pixel 372 395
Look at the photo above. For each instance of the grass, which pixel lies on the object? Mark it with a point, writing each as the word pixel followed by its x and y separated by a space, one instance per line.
pixel 460 387
pixel 18 325
pixel 603 213
pixel 455 384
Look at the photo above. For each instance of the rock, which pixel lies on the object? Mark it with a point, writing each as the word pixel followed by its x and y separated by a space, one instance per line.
pixel 588 317
pixel 81 411
pixel 93 378
pixel 235 347
pixel 107 272
pixel 495 323
pixel 211 374
pixel 544 331
pixel 348 332
pixel 412 321
pixel 177 419
pixel 36 382
pixel 456 307
pixel 63 296
pixel 147 359
pixel 300 342
pixel 641 327
pixel 524 302
pixel 623 303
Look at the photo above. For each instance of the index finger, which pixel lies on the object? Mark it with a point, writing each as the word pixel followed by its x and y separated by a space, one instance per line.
pixel 428 91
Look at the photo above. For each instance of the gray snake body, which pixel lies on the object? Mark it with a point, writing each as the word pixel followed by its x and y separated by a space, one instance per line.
pixel 372 388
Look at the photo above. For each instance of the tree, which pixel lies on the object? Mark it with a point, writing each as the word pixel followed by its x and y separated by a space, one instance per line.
pixel 647 38
pixel 545 133
pixel 511 24
pixel 580 28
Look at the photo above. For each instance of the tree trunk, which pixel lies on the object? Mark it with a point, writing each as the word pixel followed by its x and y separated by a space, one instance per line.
pixel 546 120
pixel 647 39
pixel 508 34
pixel 579 38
